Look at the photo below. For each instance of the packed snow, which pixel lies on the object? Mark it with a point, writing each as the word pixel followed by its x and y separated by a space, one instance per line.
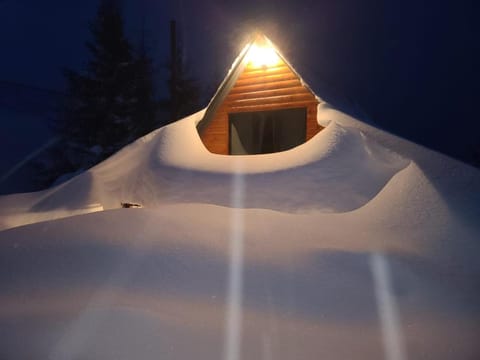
pixel 83 278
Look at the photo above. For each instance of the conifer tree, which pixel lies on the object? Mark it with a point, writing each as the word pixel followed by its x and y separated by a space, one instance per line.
pixel 188 91
pixel 144 105
pixel 109 105
pixel 184 92
pixel 97 120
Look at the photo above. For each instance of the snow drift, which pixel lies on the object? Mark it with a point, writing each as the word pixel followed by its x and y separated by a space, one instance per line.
pixel 149 283
pixel 336 171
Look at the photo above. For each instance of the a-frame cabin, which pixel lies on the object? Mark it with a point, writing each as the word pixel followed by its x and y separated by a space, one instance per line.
pixel 261 107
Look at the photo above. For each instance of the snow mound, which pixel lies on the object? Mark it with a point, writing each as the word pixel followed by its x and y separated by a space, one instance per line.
pixel 338 170
pixel 151 282
pixel 349 165
pixel 180 146
pixel 118 282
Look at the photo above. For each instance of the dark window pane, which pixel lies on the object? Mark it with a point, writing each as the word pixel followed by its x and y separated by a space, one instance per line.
pixel 265 132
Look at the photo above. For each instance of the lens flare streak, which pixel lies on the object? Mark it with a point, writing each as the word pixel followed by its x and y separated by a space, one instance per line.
pixel 392 336
pixel 233 318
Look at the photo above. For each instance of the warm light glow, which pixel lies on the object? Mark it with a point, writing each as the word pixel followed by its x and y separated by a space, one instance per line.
pixel 262 56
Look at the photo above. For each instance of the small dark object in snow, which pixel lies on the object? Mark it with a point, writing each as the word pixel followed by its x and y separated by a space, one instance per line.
pixel 128 205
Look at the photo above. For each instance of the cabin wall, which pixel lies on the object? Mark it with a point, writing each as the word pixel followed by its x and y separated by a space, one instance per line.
pixel 260 90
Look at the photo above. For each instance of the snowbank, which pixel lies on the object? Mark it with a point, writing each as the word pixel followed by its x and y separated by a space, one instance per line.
pixel 149 283
pixel 336 171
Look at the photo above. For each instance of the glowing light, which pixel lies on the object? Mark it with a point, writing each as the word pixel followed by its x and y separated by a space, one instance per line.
pixel 262 56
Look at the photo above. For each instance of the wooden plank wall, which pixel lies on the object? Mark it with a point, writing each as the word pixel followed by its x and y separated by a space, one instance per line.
pixel 259 90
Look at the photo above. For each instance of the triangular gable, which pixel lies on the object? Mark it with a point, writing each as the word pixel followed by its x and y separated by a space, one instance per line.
pixel 259 80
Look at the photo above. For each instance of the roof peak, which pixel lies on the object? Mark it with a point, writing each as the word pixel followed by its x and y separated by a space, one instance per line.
pixel 261 39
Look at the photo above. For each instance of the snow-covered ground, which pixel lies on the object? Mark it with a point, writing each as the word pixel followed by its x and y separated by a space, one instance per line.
pixel 356 245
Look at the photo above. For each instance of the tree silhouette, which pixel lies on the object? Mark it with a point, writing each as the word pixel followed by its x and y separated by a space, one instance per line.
pixel 110 104
pixel 184 91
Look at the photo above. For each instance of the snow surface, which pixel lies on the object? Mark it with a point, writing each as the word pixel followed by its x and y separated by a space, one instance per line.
pixel 338 170
pixel 151 283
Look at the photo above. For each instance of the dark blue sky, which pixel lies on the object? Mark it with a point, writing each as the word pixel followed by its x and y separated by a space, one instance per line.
pixel 408 64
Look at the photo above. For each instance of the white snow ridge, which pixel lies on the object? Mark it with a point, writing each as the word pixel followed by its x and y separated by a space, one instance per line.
pixel 354 245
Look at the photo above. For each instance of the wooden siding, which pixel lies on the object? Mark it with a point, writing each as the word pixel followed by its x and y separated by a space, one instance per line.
pixel 274 88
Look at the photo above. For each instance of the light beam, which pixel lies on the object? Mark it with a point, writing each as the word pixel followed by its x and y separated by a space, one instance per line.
pixel 233 319
pixel 392 336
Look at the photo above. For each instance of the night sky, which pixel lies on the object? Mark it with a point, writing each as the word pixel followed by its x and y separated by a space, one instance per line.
pixel 409 66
